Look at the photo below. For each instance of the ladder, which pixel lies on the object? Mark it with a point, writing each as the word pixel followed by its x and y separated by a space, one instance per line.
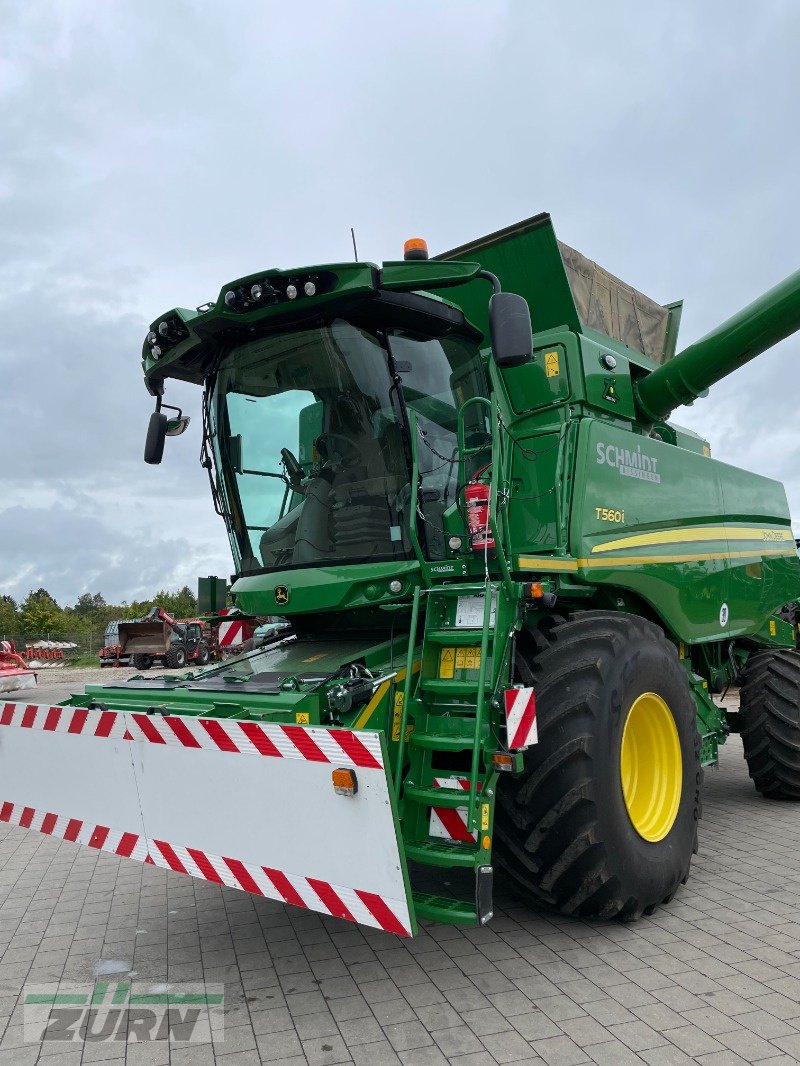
pixel 456 718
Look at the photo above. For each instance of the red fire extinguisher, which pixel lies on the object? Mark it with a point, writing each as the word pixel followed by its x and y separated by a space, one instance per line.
pixel 477 496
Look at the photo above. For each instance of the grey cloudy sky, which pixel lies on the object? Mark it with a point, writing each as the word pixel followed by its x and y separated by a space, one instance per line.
pixel 151 152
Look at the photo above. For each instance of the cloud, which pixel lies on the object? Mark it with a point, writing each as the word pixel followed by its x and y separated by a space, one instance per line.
pixel 153 152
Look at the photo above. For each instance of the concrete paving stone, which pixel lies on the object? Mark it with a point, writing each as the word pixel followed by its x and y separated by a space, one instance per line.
pixel 560 1051
pixel 423 994
pixel 788 1044
pixel 583 991
pixel 379 1053
pixel 676 997
pixel 393 1011
pixel 612 1053
pixel 480 1058
pixel 666 1055
pixel 406 1035
pixel 466 998
pixel 747 1044
pixel 630 995
pixel 510 1003
pixel 507 1047
pixel 608 1012
pixel 441 1016
pixel 423 1056
pixel 710 1020
pixel 461 1041
pixel 766 1025
pixel 274 1046
pixel 729 1002
pixel 338 987
pixel 349 1007
pixel 486 1021
pixel 721 1058
pixel 360 1031
pixel 692 1040
pixel 637 1035
pixel 321 1024
pixel 493 983
pixel 325 1051
pixel 558 1008
pixel 537 1026
pixel 271 1020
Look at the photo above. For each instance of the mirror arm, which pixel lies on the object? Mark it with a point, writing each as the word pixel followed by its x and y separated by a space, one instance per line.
pixel 493 278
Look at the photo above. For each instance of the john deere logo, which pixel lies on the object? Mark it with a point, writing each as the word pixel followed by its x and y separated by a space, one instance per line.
pixel 281 594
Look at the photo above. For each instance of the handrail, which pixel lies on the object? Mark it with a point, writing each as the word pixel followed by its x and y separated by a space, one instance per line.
pixel 480 703
pixel 407 689
pixel 414 503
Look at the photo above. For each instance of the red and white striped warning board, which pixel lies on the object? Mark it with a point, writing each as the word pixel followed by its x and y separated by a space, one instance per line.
pixel 234 633
pixel 450 823
pixel 246 804
pixel 521 718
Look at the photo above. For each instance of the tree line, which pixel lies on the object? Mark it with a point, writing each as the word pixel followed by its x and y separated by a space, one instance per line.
pixel 39 614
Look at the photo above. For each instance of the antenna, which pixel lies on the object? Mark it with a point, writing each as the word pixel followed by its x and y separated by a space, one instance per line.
pixel 355 249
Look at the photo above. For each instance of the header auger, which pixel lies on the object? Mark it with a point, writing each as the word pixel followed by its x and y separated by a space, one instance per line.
pixel 514 588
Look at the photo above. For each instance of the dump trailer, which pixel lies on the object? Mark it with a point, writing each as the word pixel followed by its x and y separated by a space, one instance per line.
pixel 514 585
pixel 158 637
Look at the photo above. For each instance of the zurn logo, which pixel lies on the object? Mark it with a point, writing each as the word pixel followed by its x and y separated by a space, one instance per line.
pixel 630 463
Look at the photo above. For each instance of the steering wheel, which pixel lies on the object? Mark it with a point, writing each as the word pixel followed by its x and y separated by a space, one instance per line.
pixel 294 471
pixel 346 448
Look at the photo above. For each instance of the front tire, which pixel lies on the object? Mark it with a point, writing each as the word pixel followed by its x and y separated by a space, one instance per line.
pixel 143 662
pixel 602 821
pixel 176 657
pixel 770 716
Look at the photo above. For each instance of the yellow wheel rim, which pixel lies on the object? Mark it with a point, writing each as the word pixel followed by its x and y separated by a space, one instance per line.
pixel 651 767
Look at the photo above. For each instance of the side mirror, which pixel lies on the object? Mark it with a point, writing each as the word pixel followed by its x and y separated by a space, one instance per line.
pixel 176 426
pixel 510 328
pixel 235 453
pixel 156 435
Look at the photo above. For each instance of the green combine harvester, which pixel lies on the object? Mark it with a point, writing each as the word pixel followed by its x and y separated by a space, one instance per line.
pixel 514 587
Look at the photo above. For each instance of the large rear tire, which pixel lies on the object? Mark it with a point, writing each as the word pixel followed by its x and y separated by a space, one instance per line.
pixel 602 821
pixel 770 716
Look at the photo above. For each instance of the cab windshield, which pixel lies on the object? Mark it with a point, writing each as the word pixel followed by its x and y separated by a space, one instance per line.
pixel 310 436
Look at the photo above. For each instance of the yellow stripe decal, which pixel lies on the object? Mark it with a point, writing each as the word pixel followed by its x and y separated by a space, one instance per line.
pixel 372 706
pixel 545 565
pixel 683 536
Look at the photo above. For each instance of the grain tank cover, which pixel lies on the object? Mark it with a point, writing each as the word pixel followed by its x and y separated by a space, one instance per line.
pixel 565 288
pixel 608 305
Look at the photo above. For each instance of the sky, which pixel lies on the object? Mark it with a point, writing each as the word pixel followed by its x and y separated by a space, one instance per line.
pixel 152 152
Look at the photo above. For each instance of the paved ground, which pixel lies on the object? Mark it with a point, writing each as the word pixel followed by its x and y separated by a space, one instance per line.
pixel 714 978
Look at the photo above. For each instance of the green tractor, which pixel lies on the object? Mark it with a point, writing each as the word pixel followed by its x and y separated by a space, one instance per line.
pixel 511 580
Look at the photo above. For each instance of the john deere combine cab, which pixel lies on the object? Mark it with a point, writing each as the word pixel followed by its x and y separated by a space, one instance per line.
pixel 514 588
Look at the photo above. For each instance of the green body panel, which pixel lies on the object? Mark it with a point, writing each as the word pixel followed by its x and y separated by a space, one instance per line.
pixel 686 533
pixel 328 588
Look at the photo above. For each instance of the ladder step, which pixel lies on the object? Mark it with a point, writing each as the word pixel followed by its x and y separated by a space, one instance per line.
pixel 461 589
pixel 457 638
pixel 447 855
pixel 442 686
pixel 444 909
pixel 441 741
pixel 432 796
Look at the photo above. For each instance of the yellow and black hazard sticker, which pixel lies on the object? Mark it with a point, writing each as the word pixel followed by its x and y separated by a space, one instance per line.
pixel 551 364
pixel 452 659
pixel 302 718
pixel 397 715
